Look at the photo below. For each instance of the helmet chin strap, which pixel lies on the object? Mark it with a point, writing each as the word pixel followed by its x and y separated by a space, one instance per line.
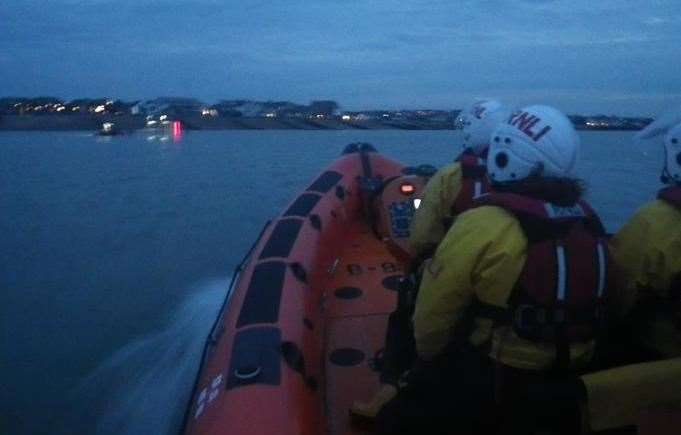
pixel 667 179
pixel 664 176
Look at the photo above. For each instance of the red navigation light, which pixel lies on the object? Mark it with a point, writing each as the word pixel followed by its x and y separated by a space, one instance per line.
pixel 177 130
pixel 407 189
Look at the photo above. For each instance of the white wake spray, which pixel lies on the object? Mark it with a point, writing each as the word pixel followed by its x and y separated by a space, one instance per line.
pixel 143 388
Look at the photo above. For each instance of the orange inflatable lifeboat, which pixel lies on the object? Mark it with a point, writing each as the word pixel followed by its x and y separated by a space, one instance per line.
pixel 308 307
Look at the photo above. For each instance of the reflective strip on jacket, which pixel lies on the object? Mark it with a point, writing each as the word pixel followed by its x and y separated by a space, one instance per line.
pixel 427 228
pixel 647 253
pixel 480 258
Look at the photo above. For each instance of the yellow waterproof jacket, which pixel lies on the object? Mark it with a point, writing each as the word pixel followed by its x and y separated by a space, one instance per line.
pixel 427 226
pixel 481 257
pixel 647 253
pixel 617 396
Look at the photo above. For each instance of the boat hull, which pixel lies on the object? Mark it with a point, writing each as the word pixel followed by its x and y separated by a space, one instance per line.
pixel 291 348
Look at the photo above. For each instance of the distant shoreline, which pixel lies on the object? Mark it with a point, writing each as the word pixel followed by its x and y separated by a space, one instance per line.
pixel 87 122
pixel 51 122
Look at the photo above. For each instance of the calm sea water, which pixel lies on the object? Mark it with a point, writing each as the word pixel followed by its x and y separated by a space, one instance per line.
pixel 115 253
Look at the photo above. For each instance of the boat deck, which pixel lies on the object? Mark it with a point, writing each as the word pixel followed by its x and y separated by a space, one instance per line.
pixel 359 297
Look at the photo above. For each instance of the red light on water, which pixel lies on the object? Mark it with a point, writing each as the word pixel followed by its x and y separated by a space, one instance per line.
pixel 177 130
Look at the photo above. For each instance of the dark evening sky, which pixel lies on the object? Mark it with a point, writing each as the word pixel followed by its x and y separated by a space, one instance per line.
pixel 588 56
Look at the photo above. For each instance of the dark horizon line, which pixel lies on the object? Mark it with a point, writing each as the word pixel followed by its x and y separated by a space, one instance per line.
pixel 136 100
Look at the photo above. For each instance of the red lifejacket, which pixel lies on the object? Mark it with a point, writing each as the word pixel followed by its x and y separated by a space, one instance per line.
pixel 474 182
pixel 672 195
pixel 561 292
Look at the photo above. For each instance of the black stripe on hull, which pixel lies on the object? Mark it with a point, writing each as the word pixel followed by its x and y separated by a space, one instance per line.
pixel 263 297
pixel 325 182
pixel 303 205
pixel 282 239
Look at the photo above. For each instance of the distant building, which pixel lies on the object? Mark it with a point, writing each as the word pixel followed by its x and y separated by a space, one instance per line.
pixel 35 106
pixel 120 107
pixel 44 105
pixel 323 109
pixel 90 105
pixel 227 109
pixel 436 116
pixel 604 122
pixel 275 109
pixel 175 106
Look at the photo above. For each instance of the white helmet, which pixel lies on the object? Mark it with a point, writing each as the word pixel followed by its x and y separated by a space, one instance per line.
pixel 672 150
pixel 536 140
pixel 669 125
pixel 479 120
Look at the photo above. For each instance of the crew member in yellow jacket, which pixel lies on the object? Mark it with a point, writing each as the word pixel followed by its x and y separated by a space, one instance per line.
pixel 647 252
pixel 452 190
pixel 514 290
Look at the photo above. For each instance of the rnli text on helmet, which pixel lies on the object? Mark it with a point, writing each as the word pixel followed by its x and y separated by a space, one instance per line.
pixel 525 121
